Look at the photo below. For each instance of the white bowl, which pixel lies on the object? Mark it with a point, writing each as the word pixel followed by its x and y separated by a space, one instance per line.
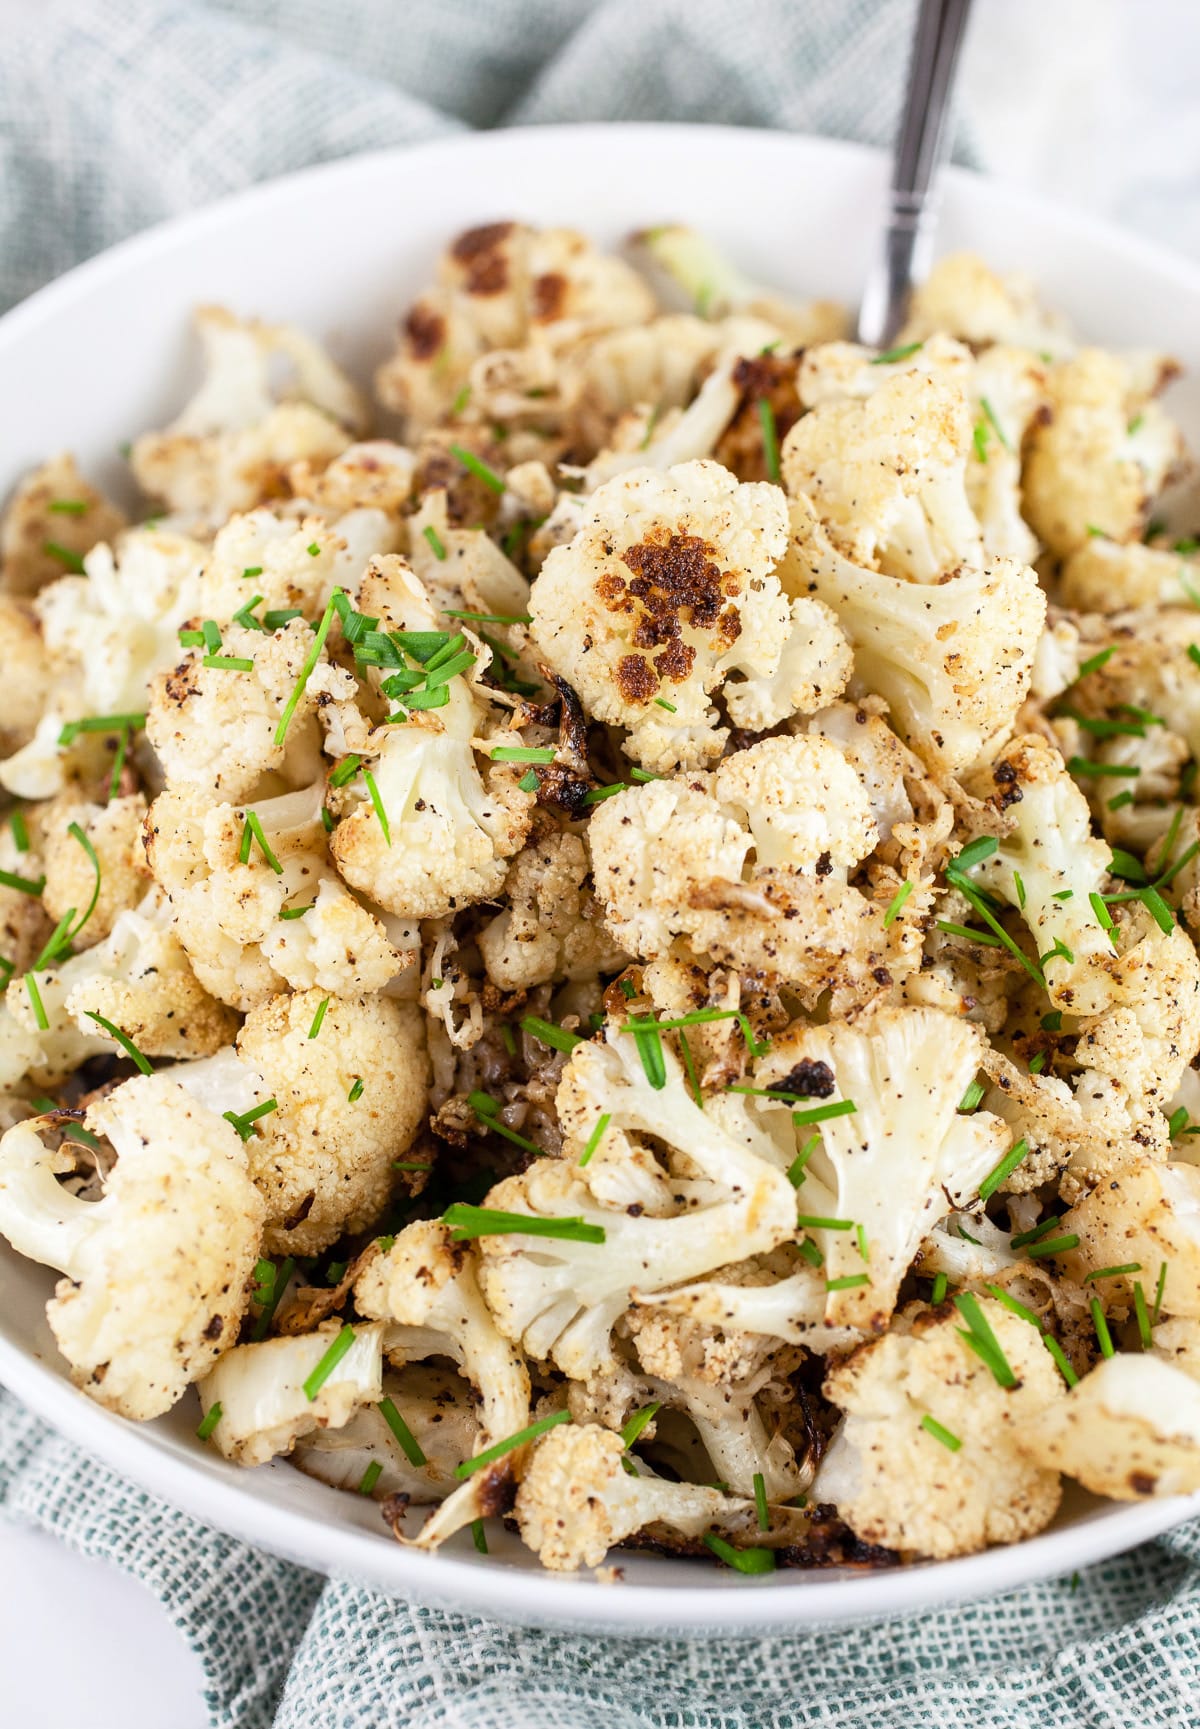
pixel 106 352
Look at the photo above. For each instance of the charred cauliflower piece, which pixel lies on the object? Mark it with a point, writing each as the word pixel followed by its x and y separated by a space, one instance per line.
pixel 667 595
pixel 53 512
pixel 551 927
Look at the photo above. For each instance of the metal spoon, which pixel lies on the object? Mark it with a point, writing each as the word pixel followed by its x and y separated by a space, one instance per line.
pixel 919 149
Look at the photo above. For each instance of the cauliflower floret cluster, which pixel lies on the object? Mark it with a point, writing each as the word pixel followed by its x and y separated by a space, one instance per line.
pixel 629 962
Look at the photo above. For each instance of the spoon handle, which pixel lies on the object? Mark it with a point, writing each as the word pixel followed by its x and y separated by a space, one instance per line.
pixel 920 145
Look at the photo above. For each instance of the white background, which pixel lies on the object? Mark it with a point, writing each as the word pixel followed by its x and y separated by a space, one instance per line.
pixel 1089 101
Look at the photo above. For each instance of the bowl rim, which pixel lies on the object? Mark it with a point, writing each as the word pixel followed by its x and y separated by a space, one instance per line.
pixel 229 1502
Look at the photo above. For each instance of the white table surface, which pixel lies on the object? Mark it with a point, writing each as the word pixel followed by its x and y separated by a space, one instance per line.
pixel 1093 115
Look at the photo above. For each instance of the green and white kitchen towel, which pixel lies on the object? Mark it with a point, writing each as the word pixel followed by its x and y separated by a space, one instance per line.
pixel 115 113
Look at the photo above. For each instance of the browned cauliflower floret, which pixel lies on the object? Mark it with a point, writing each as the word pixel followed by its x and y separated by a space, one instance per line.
pixel 1103 575
pixel 504 286
pixel 1101 455
pixel 1151 667
pixel 666 595
pixel 953 660
pixel 962 297
pixel 252 922
pixel 280 564
pixel 157 1272
pixel 233 444
pixel 887 476
pixel 896 1483
pixel 347 1103
pixel 26 679
pixel 672 858
pixel 217 728
pixel 1130 1429
pixel 116 883
pixel 576 1502
pixel 551 927
pixel 1144 1217
pixel 52 519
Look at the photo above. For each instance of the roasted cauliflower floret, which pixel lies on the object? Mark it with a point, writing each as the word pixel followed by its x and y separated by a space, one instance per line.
pixel 894 1158
pixel 262 564
pixel 115 884
pixel 234 442
pixel 220 729
pixel 551 927
pixel 887 477
pixel 576 1502
pixel 53 517
pixel 1145 1217
pixel 347 1102
pixel 1130 1429
pixel 952 660
pixel 264 1405
pixel 1101 456
pixel 1103 575
pixel 156 1273
pixel 664 595
pixel 962 297
pixel 715 286
pixel 896 1483
pixel 26 680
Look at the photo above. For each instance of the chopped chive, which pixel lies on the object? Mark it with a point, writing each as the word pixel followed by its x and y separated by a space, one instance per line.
pixel 209 1422
pixel 1112 1272
pixel 1001 1172
pixel 35 998
pixel 848 1282
pixel 770 438
pixel 1107 1348
pixel 356 1091
pixel 971 1097
pixel 191 639
pixel 594 1139
pixel 345 771
pixel 487 1110
pixel 546 1033
pixel 1060 1357
pixel 23 885
pixel 370 1477
pixel 1186 856
pixel 632 1429
pixel 975 853
pixel 244 1124
pixel 809 1252
pixel 245 615
pixel 1037 1063
pixel 329 1362
pixel 377 802
pixel 690 1070
pixel 1159 1292
pixel 1158 909
pixel 996 426
pixel 489 617
pixel 68 506
pixel 1124 865
pixel 278 616
pixel 64 555
pixel 860 1237
pixel 1014 1306
pixel 982 1340
pixel 1121 800
pixel 1037 1232
pixel 741 1560
pixel 811 1222
pixel 318 1018
pixel 938 1293
pixel 669 706
pixel 980 439
pixel 1056 1246
pixel 228 663
pixel 1080 765
pixel 1105 728
pixel 475 465
pixel 404 1165
pixel 1097 661
pixel 522 753
pixel 1103 916
pixel 760 1502
pixel 891 354
pixel 896 902
pixel 479 1536
pixel 114 782
pixel 1052 1023
pixel 795 1171
pixel 20 831
pixel 824 1113
pixel 508 1038
pixel 529 782
pixel 313 549
pixel 252 830
pixel 123 1039
pixel 467 1222
pixel 1019 885
pixel 404 1435
pixel 954 930
pixel 252 570
pixel 489 1455
pixel 649 1048
pixel 948 1439
pixel 100 723
pixel 311 659
pixel 1176 1124
pixel 279 1285
pixel 1143 1315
